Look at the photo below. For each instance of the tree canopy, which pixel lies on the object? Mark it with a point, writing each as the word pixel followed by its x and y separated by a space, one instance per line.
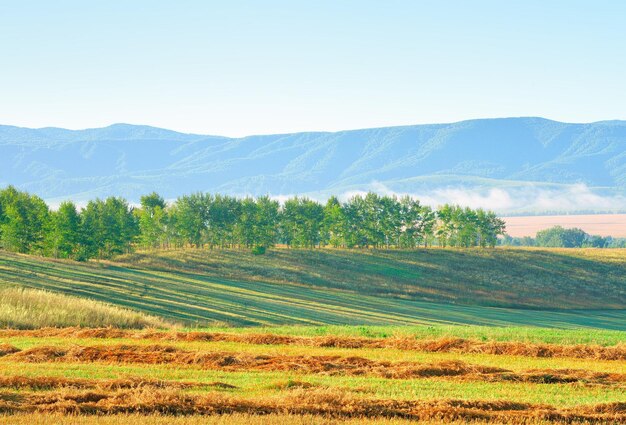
pixel 107 227
pixel 560 237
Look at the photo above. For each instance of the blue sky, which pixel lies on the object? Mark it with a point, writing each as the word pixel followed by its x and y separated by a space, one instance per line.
pixel 252 67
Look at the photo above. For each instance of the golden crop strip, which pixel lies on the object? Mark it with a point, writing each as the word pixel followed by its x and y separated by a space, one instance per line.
pixel 440 345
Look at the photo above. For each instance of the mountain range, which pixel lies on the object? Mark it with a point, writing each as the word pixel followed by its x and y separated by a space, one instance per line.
pixel 508 164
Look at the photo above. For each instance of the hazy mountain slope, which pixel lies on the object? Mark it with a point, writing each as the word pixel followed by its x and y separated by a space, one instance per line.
pixel 131 160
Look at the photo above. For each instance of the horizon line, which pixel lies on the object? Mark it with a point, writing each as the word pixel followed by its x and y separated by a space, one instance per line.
pixel 311 131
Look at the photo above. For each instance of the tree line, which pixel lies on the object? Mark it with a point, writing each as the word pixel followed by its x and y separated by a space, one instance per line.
pixel 560 237
pixel 104 228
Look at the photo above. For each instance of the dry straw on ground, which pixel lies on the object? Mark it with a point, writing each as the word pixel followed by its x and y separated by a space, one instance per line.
pixel 319 402
pixel 324 365
pixel 31 309
pixel 440 345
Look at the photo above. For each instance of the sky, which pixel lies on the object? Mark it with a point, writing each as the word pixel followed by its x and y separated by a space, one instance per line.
pixel 237 68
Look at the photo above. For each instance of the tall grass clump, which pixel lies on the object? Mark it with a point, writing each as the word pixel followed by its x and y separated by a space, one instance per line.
pixel 22 308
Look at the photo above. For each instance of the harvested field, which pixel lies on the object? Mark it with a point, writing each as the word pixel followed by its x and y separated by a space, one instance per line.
pixel 48 383
pixel 244 375
pixel 594 224
pixel 302 402
pixel 448 345
pixel 7 349
pixel 327 365
pixel 234 419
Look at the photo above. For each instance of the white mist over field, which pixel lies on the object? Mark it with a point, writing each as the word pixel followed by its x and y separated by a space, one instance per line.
pixel 529 199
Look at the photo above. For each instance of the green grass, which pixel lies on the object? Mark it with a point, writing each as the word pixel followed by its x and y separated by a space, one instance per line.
pixel 273 383
pixel 261 383
pixel 501 287
pixel 534 335
pixel 504 277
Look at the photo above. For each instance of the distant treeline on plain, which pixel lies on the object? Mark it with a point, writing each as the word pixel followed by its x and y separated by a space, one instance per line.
pixel 560 237
pixel 108 227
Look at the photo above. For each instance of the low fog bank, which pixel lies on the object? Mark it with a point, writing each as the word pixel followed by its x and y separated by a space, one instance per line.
pixel 519 200
pixel 513 200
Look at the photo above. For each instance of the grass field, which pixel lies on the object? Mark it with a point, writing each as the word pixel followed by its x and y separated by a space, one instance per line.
pixel 502 287
pixel 333 337
pixel 23 308
pixel 323 375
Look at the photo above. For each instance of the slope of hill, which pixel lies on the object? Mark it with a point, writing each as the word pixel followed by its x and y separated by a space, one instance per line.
pixel 127 160
pixel 22 308
pixel 554 288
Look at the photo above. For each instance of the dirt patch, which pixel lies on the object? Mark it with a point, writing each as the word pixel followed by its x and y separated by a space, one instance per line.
pixel 565 376
pixel 291 384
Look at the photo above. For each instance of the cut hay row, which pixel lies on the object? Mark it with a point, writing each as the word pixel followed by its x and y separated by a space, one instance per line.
pixel 227 419
pixel 232 419
pixel 440 345
pixel 325 365
pixel 53 382
pixel 329 403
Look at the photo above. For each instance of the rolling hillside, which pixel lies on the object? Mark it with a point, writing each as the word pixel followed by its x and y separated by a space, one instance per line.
pixel 553 288
pixel 516 155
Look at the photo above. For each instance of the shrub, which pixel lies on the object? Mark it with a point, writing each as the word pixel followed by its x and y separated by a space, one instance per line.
pixel 258 250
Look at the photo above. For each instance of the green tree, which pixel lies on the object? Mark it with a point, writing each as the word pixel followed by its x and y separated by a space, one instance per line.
pixel 303 222
pixel 246 227
pixel 266 225
pixel 192 218
pixel 596 241
pixel 152 201
pixel 417 223
pixel 64 238
pixel 152 221
pixel 25 221
pixel 355 219
pixel 559 237
pixel 465 227
pixel 445 225
pixel 489 227
pixel 313 223
pixel 109 227
pixel 333 229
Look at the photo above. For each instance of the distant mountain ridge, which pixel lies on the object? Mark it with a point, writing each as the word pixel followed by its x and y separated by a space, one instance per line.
pixel 473 157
